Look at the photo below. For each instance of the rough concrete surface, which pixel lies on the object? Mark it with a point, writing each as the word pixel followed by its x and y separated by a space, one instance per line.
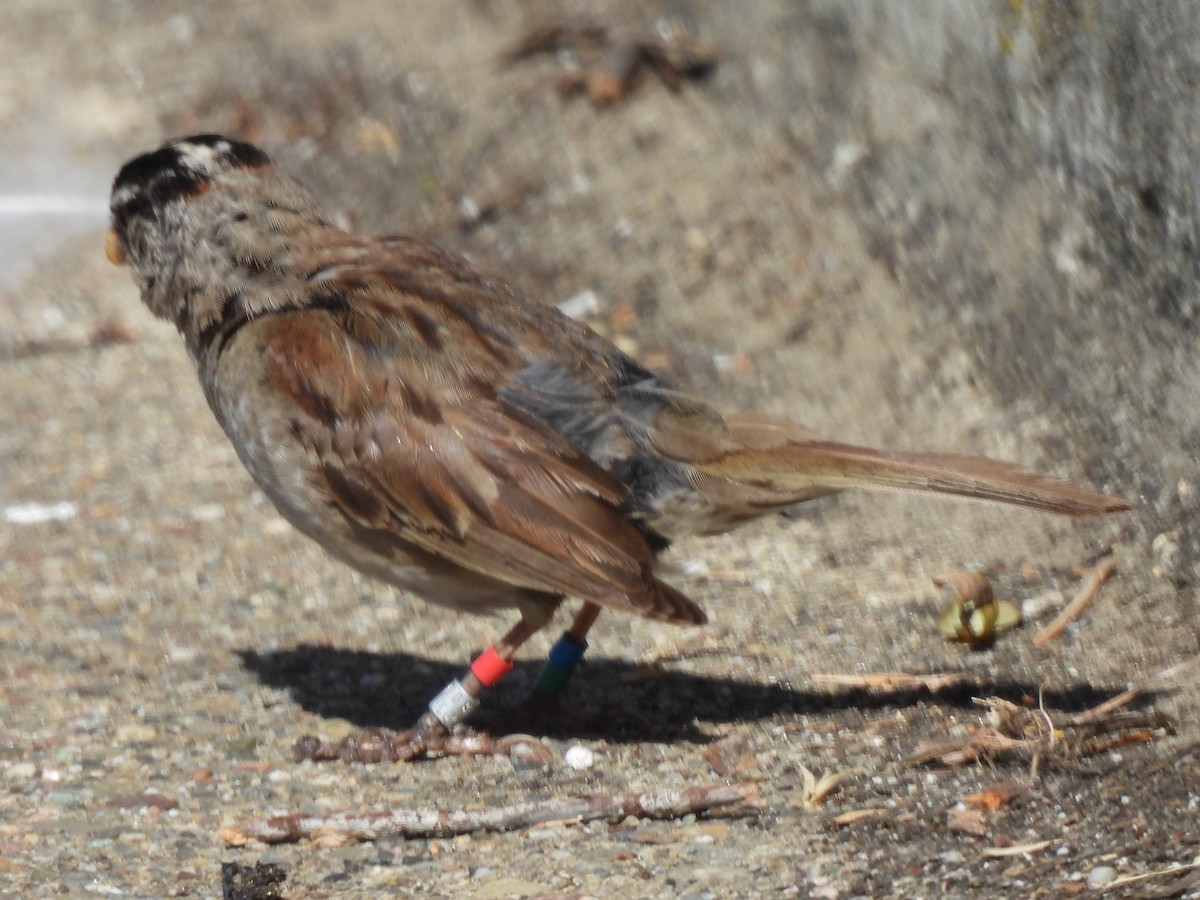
pixel 931 224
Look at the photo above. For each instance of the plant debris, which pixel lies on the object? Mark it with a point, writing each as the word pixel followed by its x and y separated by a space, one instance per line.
pixel 1179 888
pixel 606 61
pixel 1015 850
pixel 895 682
pixel 1039 735
pixel 731 755
pixel 967 820
pixel 856 816
pixel 336 829
pixel 1080 603
pixel 996 796
pixel 817 790
pixel 1013 730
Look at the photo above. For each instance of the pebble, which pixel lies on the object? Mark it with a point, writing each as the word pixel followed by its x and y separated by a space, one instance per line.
pixel 66 799
pixel 136 734
pixel 578 757
pixel 21 771
pixel 1166 551
pixel 1101 876
pixel 208 512
pixel 1035 607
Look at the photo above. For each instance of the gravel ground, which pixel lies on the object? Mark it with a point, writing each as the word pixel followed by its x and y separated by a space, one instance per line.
pixel 810 232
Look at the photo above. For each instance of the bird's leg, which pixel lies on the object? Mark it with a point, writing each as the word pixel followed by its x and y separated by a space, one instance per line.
pixel 543 698
pixel 440 729
pixel 460 698
pixel 565 655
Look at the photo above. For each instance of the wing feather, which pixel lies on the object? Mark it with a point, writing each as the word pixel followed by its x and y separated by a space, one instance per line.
pixel 459 472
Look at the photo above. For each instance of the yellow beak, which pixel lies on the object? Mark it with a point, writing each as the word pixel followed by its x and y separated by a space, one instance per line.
pixel 113 249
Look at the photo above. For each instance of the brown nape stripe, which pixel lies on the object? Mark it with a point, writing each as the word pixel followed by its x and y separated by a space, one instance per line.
pixel 234 314
pixel 229 321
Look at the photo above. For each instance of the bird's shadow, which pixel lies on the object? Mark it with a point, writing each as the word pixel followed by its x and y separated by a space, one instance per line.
pixel 391 690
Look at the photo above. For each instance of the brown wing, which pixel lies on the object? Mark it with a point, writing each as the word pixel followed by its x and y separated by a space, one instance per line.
pixel 413 439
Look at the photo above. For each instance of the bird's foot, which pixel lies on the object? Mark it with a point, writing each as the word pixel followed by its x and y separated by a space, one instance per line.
pixel 428 738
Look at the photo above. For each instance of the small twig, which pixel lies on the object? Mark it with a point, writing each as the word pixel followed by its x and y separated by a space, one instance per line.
pixel 854 816
pixel 1016 850
pixel 1050 730
pixel 1158 873
pixel 1080 603
pixel 342 828
pixel 1112 704
pixel 1013 729
pixel 892 682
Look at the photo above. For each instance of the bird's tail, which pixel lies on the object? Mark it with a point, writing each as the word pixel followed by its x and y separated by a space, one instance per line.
pixel 800 469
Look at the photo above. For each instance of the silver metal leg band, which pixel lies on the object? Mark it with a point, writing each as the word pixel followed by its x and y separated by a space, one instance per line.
pixel 453 704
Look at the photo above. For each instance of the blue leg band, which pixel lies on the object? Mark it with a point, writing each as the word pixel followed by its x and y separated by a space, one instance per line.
pixel 564 657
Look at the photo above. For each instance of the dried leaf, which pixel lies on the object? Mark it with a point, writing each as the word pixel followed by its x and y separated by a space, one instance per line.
pixel 817 790
pixel 967 820
pixel 731 755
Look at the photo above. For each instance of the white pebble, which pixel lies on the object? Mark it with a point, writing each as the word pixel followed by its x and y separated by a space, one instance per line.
pixel 1101 876
pixel 578 757
pixel 208 512
pixel 1035 607
pixel 468 210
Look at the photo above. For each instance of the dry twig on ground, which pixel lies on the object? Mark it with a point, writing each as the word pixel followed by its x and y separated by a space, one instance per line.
pixel 341 828
pixel 894 682
pixel 1080 603
pixel 1041 735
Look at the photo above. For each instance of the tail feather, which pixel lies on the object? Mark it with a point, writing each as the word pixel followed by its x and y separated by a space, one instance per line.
pixel 668 604
pixel 804 468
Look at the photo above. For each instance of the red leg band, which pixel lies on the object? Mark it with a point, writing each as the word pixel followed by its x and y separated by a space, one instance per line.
pixel 489 667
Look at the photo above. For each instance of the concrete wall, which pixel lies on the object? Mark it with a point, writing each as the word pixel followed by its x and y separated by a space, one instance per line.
pixel 1033 167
